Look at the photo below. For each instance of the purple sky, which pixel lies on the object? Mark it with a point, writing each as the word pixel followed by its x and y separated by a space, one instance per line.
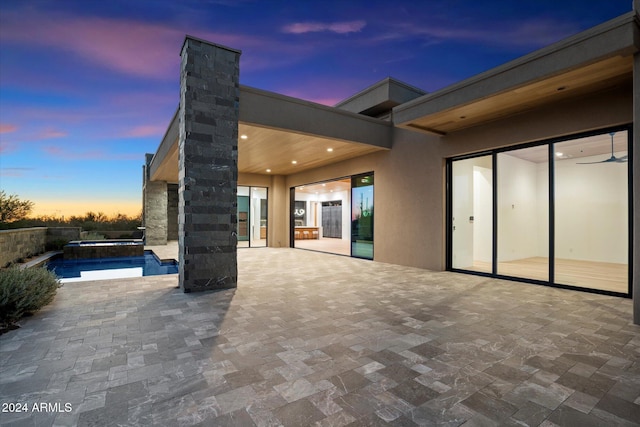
pixel 87 87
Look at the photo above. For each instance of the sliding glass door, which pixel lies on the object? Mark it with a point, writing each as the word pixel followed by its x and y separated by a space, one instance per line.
pixel 523 213
pixel 252 216
pixel 592 212
pixel 334 216
pixel 472 223
pixel 362 216
pixel 554 212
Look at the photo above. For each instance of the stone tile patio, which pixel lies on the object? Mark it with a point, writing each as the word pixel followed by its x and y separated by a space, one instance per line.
pixel 316 339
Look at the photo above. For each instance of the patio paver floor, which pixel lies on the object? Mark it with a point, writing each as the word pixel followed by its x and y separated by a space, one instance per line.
pixel 316 339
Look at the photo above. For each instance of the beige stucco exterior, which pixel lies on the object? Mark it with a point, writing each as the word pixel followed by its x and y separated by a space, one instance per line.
pixel 586 83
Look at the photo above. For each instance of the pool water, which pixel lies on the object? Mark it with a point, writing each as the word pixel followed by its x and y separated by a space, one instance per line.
pixel 78 270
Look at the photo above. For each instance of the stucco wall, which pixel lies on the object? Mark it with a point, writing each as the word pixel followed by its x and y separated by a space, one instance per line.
pixel 21 243
pixel 410 178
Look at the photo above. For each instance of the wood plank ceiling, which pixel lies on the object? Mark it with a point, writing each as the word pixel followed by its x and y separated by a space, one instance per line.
pixel 591 78
pixel 273 152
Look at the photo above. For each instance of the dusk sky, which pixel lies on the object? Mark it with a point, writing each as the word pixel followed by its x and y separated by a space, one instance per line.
pixel 88 87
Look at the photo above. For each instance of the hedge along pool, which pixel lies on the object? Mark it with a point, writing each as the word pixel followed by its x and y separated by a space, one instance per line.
pixel 79 270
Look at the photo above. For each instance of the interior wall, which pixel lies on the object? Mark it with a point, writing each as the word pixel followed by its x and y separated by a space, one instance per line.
pixel 591 211
pixel 518 211
pixel 482 214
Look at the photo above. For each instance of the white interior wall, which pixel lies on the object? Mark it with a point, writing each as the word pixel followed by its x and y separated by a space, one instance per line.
pixel 591 207
pixel 462 205
pixel 518 214
pixel 314 202
pixel 542 197
pixel 256 195
pixel 308 198
pixel 482 214
pixel 472 239
pixel 591 210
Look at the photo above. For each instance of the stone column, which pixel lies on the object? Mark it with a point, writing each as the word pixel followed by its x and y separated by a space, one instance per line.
pixel 172 211
pixel 208 166
pixel 635 149
pixel 155 212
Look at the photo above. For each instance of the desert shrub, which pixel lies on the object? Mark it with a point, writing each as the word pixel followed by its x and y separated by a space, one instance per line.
pixel 55 245
pixel 24 291
pixel 90 235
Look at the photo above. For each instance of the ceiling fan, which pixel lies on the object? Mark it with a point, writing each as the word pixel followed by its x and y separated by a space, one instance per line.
pixel 612 159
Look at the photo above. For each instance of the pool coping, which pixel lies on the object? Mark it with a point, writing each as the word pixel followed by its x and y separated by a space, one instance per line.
pixel 40 259
pixel 43 258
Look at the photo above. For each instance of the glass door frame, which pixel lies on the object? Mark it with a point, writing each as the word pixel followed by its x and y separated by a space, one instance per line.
pixel 551 211
pixel 250 219
pixel 292 218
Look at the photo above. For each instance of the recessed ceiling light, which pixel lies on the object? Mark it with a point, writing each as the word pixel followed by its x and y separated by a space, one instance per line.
pixel 294 162
pixel 324 185
pixel 244 136
pixel 330 149
pixel 268 170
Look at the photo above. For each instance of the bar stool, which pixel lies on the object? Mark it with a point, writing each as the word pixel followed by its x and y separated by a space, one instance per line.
pixel 296 235
pixel 305 235
pixel 315 234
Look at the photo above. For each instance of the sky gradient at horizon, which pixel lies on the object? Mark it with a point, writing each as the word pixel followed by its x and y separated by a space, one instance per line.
pixel 87 87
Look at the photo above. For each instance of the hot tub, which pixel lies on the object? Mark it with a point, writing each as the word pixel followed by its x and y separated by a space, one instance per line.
pixel 103 248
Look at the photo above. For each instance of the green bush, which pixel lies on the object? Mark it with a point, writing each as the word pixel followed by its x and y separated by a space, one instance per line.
pixel 91 235
pixel 24 291
pixel 55 245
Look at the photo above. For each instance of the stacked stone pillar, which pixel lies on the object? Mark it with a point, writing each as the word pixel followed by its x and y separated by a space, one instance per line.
pixel 172 211
pixel 208 166
pixel 635 150
pixel 154 207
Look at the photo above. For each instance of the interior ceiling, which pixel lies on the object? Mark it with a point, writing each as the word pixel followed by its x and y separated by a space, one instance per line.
pixel 597 145
pixel 276 150
pixel 326 187
pixel 598 76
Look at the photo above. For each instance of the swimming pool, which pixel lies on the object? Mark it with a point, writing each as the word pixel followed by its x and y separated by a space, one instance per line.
pixel 78 270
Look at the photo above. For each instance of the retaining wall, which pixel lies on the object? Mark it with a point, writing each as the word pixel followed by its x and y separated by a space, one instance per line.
pixel 26 242
pixel 21 243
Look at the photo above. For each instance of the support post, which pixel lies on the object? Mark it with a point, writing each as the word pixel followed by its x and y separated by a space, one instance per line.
pixel 154 207
pixel 208 166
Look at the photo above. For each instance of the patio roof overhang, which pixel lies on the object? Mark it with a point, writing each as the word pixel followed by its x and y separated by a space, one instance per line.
pixel 591 61
pixel 279 130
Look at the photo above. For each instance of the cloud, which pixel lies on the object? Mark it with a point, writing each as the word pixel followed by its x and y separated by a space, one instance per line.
pixel 14 172
pixel 128 46
pixel 66 154
pixel 7 147
pixel 146 130
pixel 343 27
pixel 7 128
pixel 526 33
pixel 50 133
